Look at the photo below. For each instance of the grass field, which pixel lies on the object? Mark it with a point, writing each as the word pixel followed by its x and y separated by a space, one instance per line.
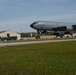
pixel 39 59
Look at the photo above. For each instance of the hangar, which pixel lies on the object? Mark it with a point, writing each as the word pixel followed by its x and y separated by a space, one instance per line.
pixel 9 35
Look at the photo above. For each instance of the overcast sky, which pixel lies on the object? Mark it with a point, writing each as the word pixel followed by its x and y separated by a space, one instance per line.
pixel 17 15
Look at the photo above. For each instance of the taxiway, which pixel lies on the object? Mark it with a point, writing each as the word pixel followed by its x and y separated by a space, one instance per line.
pixel 33 42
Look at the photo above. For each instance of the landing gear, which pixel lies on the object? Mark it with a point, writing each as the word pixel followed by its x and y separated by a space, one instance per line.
pixel 38 32
pixel 38 35
pixel 41 32
pixel 59 34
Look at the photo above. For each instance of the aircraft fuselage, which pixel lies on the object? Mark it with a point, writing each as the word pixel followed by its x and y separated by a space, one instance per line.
pixel 53 26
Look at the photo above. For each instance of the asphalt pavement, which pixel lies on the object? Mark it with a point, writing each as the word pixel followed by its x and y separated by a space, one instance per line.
pixel 34 42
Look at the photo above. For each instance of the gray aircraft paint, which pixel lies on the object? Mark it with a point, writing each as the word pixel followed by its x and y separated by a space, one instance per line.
pixel 48 25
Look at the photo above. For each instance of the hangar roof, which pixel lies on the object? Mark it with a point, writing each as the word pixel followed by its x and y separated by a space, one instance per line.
pixel 2 31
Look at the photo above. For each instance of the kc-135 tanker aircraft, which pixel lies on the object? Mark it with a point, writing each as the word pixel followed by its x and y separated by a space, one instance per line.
pixel 44 26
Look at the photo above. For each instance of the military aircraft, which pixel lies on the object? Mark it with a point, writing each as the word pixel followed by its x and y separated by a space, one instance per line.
pixel 44 26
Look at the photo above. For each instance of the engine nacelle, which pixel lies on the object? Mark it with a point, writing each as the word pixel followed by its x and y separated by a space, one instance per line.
pixel 69 28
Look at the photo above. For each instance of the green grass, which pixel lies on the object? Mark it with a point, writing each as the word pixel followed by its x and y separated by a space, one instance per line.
pixel 39 59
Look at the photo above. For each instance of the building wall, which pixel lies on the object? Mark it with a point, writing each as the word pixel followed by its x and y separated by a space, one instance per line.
pixel 4 34
pixel 67 35
pixel 47 37
pixel 28 38
pixel 74 34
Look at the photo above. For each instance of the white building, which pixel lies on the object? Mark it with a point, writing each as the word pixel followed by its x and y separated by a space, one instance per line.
pixel 74 34
pixel 9 34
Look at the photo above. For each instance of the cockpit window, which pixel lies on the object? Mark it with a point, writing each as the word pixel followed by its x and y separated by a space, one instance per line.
pixel 35 23
pixel 38 23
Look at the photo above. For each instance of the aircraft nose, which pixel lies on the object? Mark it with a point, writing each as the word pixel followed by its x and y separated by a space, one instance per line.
pixel 32 25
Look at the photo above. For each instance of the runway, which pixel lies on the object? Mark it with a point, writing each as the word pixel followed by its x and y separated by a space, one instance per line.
pixel 33 42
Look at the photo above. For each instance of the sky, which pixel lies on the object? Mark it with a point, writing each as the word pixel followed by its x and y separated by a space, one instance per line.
pixel 17 15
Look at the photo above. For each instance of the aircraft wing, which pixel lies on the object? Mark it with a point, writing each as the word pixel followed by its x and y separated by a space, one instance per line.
pixel 60 28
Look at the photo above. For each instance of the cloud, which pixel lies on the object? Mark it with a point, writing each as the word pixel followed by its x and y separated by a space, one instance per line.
pixel 61 17
pixel 32 19
pixel 24 23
